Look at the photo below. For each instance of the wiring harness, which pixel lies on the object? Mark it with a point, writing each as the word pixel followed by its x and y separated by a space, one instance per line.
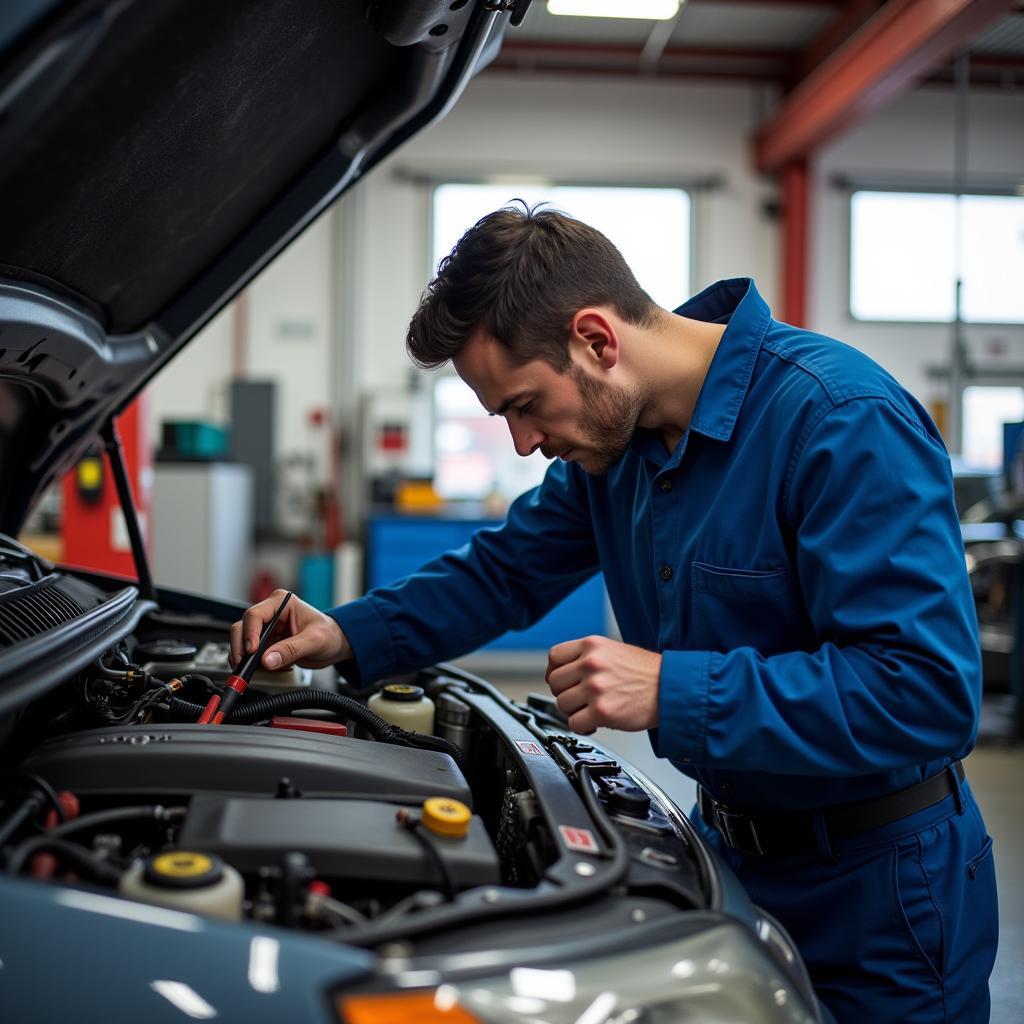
pixel 257 709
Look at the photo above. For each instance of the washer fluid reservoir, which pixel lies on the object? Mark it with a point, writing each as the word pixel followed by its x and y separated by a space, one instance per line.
pixel 405 706
pixel 186 880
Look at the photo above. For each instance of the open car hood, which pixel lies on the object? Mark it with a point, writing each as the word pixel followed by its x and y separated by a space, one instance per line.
pixel 156 154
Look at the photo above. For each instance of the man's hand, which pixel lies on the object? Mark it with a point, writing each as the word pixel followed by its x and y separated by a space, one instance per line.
pixel 597 681
pixel 310 638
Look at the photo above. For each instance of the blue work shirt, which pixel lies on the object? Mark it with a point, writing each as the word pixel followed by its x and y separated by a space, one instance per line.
pixel 797 561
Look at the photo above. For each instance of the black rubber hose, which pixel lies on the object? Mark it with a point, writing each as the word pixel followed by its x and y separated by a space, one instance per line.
pixel 257 709
pixel 43 786
pixel 82 858
pixel 413 826
pixel 98 818
pixel 26 811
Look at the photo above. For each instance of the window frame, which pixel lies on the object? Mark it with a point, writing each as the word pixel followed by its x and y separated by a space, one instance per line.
pixel 914 188
pixel 691 188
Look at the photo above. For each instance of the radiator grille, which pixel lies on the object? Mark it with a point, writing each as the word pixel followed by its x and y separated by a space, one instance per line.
pixel 29 612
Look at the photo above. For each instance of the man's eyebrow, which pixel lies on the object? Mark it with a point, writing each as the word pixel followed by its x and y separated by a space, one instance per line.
pixel 510 401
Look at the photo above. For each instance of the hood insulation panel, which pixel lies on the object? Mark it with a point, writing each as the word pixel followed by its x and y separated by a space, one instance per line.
pixel 186 120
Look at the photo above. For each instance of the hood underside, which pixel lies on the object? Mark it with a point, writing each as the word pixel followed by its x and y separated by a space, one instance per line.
pixel 156 154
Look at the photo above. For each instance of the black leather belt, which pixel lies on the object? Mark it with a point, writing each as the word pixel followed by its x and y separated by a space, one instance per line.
pixel 774 834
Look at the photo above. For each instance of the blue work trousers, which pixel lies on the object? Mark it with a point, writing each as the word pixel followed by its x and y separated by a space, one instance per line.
pixel 898 923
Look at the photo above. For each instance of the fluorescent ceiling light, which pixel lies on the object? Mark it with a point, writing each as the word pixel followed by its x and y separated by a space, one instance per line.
pixel 649 10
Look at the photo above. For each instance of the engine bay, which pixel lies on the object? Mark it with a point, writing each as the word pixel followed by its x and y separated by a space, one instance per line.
pixel 306 808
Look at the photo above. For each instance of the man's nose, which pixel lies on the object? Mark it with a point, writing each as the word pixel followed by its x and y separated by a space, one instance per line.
pixel 527 439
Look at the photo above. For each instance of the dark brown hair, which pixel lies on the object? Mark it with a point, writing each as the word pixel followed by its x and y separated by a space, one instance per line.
pixel 521 275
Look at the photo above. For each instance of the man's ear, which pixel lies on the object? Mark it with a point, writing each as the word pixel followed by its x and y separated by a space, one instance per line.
pixel 595 333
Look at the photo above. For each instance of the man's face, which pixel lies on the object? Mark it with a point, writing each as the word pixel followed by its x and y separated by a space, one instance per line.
pixel 566 415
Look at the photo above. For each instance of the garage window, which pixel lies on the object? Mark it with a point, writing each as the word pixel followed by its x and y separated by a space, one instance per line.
pixel 473 453
pixel 986 410
pixel 909 248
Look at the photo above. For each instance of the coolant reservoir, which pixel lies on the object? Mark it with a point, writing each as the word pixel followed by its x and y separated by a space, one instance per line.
pixel 200 883
pixel 405 706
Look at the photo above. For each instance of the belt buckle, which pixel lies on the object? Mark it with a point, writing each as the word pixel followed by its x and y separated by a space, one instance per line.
pixel 738 831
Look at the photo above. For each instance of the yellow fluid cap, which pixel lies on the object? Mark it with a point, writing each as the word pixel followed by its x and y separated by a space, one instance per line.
pixel 446 817
pixel 182 864
pixel 402 691
pixel 183 869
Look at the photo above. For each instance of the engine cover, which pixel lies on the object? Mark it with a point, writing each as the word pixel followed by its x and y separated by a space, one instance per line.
pixel 351 839
pixel 183 759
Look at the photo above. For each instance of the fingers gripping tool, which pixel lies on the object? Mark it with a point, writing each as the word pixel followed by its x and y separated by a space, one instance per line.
pixel 220 704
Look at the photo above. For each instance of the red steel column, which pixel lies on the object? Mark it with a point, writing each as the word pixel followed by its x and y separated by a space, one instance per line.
pixel 795 231
pixel 894 50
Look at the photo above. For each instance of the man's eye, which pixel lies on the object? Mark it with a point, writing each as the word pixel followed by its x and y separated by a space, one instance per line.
pixel 524 409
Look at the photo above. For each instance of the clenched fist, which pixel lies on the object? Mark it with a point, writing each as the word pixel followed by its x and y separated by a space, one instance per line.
pixel 602 682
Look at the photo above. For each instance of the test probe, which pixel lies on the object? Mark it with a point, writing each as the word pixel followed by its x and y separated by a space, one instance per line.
pixel 220 705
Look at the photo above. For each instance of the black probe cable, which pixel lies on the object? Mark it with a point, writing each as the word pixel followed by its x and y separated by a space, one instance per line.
pixel 220 704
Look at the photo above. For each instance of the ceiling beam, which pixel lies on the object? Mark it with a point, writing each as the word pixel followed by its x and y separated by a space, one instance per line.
pixel 901 44
pixel 588 58
pixel 836 32
pixel 629 51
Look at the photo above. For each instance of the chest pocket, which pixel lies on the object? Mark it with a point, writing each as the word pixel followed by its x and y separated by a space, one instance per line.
pixel 747 608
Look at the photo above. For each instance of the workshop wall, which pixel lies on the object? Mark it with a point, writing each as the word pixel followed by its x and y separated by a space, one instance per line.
pixel 621 131
pixel 289 339
pixel 358 273
pixel 912 138
pixel 291 331
pixel 604 130
pixel 207 359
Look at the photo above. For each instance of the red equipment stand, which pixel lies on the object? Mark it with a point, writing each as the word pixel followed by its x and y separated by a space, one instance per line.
pixel 92 527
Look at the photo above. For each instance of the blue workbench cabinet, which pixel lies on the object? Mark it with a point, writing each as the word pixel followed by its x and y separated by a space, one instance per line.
pixel 398 545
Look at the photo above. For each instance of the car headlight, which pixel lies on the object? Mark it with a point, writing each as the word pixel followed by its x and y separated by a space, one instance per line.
pixel 718 975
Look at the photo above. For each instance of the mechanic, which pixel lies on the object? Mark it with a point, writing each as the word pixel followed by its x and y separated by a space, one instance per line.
pixel 774 518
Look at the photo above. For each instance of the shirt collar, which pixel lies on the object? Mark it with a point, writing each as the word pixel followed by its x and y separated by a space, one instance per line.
pixel 737 304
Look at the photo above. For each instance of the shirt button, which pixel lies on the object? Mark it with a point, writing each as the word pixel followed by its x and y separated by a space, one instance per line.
pixel 666 572
pixel 666 484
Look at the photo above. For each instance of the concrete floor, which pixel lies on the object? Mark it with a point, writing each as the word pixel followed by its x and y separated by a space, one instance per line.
pixel 996 771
